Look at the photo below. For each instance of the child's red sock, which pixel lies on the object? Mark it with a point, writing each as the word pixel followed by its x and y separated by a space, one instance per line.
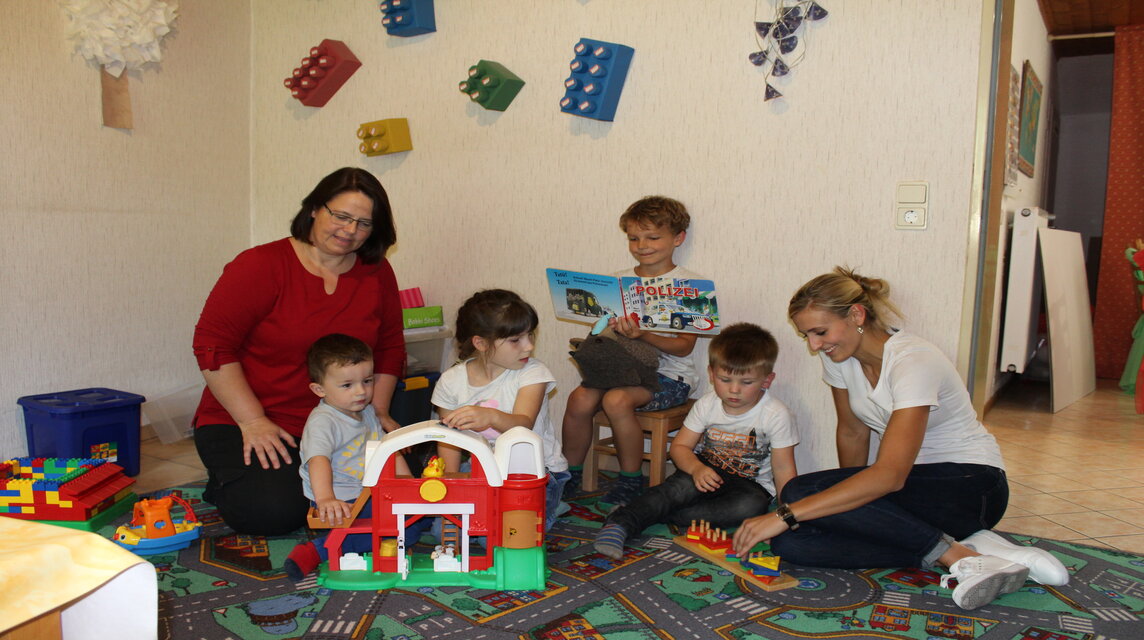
pixel 301 561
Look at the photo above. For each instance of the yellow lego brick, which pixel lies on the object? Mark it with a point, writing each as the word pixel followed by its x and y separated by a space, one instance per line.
pixel 382 137
pixel 53 497
pixel 25 496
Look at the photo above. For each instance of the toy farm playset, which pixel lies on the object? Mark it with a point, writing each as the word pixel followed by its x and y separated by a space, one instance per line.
pixel 492 517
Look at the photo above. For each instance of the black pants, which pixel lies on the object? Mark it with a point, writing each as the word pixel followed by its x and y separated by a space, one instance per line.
pixel 250 499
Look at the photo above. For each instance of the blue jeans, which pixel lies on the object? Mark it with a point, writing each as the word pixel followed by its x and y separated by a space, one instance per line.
pixel 552 496
pixel 677 501
pixel 672 393
pixel 899 529
pixel 355 542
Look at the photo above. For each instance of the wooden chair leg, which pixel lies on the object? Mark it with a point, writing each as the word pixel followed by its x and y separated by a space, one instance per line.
pixel 658 456
pixel 591 478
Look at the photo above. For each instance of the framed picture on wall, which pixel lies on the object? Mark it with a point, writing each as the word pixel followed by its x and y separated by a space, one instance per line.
pixel 1013 139
pixel 1030 119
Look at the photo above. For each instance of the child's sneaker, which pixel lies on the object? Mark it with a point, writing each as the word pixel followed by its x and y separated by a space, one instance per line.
pixel 980 579
pixel 302 561
pixel 1043 566
pixel 572 487
pixel 610 541
pixel 624 490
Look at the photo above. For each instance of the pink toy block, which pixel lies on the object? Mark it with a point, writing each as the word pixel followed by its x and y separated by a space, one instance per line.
pixel 322 73
pixel 411 298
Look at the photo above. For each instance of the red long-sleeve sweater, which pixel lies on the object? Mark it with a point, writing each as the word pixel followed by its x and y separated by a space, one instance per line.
pixel 266 310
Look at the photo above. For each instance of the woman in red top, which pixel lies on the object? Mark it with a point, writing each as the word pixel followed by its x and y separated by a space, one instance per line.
pixel 270 304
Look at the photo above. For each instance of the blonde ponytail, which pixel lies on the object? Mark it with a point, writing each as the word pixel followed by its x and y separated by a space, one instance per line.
pixel 843 288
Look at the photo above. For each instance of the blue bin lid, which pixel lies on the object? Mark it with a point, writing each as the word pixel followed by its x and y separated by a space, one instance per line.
pixel 79 400
pixel 431 376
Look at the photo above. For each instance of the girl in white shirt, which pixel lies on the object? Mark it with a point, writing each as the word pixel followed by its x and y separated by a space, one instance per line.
pixel 498 385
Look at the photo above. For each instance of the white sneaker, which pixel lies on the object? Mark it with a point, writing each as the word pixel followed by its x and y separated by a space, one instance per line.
pixel 1043 566
pixel 980 579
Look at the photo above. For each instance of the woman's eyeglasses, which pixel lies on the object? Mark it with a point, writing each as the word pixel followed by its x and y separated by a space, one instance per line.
pixel 343 219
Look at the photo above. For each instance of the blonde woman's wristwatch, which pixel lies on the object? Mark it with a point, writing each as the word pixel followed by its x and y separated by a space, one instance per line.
pixel 785 513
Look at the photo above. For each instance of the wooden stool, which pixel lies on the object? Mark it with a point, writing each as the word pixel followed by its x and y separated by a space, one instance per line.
pixel 657 424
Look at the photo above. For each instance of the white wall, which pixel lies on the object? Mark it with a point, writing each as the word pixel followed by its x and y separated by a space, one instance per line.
pixel 779 192
pixel 124 232
pixel 114 237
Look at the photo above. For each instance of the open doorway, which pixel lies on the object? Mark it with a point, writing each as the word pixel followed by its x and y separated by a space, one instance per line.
pixel 1076 176
pixel 1078 165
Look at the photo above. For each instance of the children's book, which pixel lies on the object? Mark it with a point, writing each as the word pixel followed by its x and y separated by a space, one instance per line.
pixel 658 303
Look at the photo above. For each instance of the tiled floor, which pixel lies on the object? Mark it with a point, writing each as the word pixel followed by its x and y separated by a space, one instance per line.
pixel 166 465
pixel 1075 475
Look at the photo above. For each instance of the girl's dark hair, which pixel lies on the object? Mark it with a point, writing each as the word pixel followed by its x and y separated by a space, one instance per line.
pixel 492 314
pixel 384 234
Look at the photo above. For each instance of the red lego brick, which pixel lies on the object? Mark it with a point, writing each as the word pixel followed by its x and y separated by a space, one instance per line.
pixel 322 73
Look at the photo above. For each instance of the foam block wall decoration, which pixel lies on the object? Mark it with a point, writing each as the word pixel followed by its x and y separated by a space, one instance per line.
pixel 597 79
pixel 405 18
pixel 322 73
pixel 384 136
pixel 491 85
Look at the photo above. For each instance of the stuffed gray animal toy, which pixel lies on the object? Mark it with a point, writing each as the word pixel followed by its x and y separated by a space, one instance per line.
pixel 608 360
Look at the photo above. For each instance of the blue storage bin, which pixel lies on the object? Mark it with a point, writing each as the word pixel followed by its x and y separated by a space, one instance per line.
pixel 85 423
pixel 412 399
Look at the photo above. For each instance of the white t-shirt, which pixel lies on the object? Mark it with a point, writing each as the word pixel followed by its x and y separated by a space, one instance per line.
pixel 453 392
pixel 916 374
pixel 741 445
pixel 342 439
pixel 674 367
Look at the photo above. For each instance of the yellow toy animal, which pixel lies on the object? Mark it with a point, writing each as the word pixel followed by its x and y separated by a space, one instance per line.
pixel 435 468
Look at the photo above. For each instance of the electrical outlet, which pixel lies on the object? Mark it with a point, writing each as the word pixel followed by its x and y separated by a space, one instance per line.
pixel 911 205
pixel 910 218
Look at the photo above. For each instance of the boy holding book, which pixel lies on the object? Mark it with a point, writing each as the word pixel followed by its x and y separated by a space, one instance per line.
pixel 655 227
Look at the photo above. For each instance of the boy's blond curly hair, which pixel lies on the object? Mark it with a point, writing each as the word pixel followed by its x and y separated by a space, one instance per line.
pixel 657 211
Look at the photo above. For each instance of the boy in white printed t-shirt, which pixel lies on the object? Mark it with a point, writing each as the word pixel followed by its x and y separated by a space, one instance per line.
pixel 734 454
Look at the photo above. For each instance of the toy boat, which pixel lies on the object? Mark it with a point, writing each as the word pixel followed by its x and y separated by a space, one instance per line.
pixel 152 530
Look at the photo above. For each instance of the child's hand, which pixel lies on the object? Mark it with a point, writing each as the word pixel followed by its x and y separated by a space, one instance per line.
pixel 627 327
pixel 471 418
pixel 706 479
pixel 333 511
pixel 388 424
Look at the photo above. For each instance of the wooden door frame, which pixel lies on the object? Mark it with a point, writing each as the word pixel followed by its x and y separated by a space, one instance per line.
pixel 983 241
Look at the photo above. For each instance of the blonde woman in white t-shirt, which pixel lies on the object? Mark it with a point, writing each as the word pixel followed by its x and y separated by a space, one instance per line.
pixel 937 484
